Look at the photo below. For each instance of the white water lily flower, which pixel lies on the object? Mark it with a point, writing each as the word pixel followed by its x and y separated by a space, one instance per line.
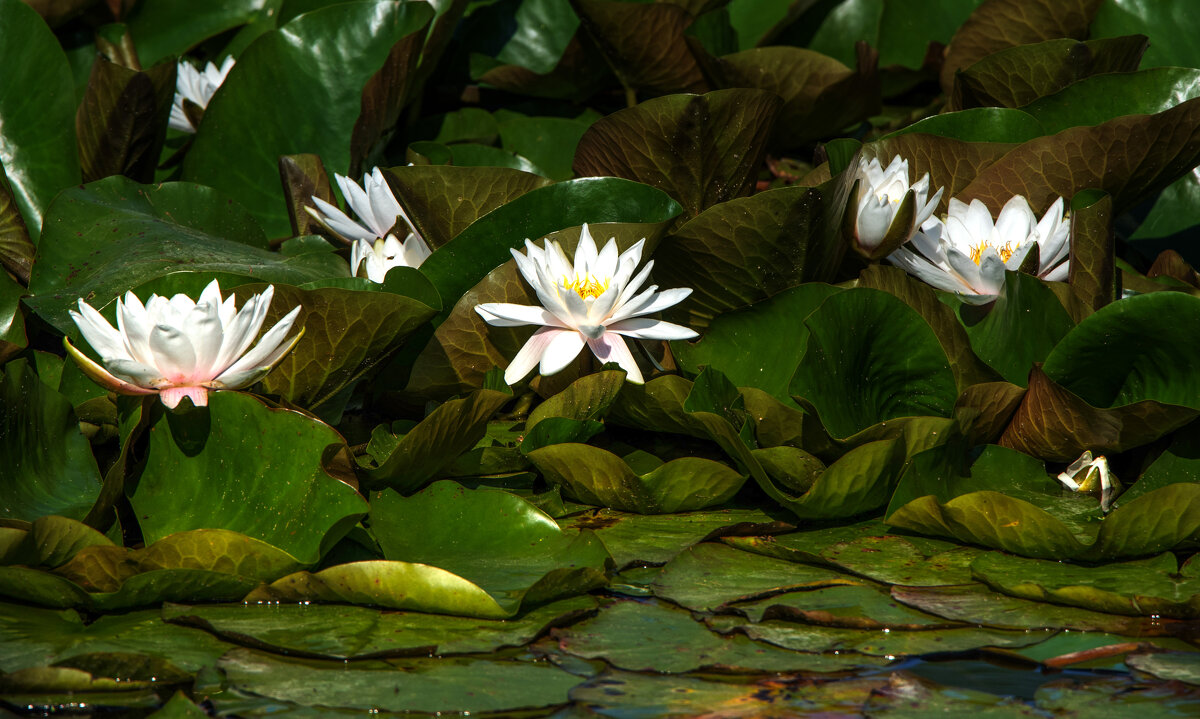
pixel 373 243
pixel 967 253
pixel 1088 474
pixel 592 301
pixel 881 192
pixel 179 348
pixel 198 86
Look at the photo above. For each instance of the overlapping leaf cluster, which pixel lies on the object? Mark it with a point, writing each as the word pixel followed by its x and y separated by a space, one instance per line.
pixel 844 449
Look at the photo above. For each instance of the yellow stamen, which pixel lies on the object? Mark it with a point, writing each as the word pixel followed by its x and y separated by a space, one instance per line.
pixel 587 287
pixel 1006 252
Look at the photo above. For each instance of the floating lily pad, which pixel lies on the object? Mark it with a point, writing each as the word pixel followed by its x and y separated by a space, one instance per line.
pixel 422 685
pixel 51 541
pixel 1155 586
pixel 1177 666
pixel 280 486
pixel 707 576
pixel 595 476
pixel 34 637
pixel 522 559
pixel 588 397
pixel 650 637
pixel 342 632
pixel 853 607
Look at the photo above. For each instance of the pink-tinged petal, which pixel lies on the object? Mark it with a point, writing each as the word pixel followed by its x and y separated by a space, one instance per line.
pixel 612 348
pixel 266 346
pixel 561 350
pixel 506 314
pixel 172 396
pixel 203 328
pixel 107 341
pixel 530 354
pixel 101 376
pixel 174 355
pixel 645 328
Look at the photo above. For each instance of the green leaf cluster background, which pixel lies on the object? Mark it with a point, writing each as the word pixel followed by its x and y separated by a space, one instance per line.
pixel 848 469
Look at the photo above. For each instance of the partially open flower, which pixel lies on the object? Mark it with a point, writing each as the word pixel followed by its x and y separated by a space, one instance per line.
pixel 968 254
pixel 1092 476
pixel 887 210
pixel 197 87
pixel 590 301
pixel 179 348
pixel 373 243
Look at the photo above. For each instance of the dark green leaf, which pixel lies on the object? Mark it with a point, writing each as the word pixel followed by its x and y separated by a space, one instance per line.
pixel 644 44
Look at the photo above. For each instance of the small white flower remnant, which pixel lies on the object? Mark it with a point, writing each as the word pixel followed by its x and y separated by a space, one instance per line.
pixel 881 193
pixel 591 301
pixel 967 253
pixel 1088 474
pixel 372 243
pixel 197 86
pixel 179 348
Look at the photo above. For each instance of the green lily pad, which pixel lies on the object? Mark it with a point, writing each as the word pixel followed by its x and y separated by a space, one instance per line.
pixel 50 467
pixel 655 539
pixel 586 398
pixel 347 333
pixel 1154 586
pixel 598 477
pixel 39 156
pixel 421 685
pixel 406 462
pixel 1163 21
pixel 897 367
pixel 708 576
pixel 701 150
pixel 1171 666
pixel 34 637
pixel 104 238
pixel 523 559
pixel 281 493
pixel 51 541
pixel 342 632
pixel 651 637
pixel 853 607
pixel 334 51
pixel 980 124
pixel 976 604
pixel 1100 98
pixel 173 27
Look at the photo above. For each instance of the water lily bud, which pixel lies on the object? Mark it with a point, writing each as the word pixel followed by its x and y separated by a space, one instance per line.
pixel 886 210
pixel 197 87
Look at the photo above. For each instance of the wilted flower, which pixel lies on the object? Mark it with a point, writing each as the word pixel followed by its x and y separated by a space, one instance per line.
pixel 374 244
pixel 590 301
pixel 1093 476
pixel 196 86
pixel 179 348
pixel 967 253
pixel 883 194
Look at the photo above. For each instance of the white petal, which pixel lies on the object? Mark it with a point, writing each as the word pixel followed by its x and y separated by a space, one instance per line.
pixel 585 253
pixel 203 329
pixel 174 355
pixel 561 350
pixel 384 209
pixel 1016 221
pixel 531 354
pixel 143 375
pixel 645 328
pixel 338 223
pixel 107 341
pixel 270 341
pixel 872 223
pixel 612 348
pixel 505 314
pixel 607 261
pixel 135 323
pixel 1058 274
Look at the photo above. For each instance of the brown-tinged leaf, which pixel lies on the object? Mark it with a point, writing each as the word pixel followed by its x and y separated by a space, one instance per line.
pixel 700 149
pixel 443 200
pixel 968 369
pixel 116 44
pixel 999 24
pixel 1093 274
pixel 303 177
pixel 576 77
pixel 985 409
pixel 644 44
pixel 56 12
pixel 346 334
pixel 821 96
pixel 122 121
pixel 744 251
pixel 1054 424
pixel 1017 76
pixel 951 163
pixel 1129 157
pixel 16 249
pixel 1170 263
pixel 383 98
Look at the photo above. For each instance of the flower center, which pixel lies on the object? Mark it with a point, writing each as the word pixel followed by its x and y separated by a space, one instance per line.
pixel 1006 251
pixel 589 287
